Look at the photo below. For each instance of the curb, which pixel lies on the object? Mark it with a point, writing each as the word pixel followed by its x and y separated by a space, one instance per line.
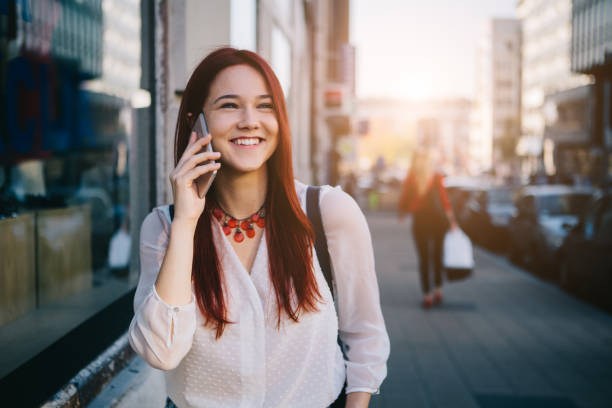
pixel 88 383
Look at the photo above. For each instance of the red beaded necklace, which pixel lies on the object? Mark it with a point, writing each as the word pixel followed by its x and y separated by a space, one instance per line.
pixel 229 222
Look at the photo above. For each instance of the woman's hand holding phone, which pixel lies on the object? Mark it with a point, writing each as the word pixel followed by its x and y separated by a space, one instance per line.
pixel 188 204
pixel 173 282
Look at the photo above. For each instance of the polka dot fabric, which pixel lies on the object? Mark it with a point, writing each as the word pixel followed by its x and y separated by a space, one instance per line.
pixel 255 363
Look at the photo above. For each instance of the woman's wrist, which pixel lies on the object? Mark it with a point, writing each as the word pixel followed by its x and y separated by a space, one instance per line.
pixel 173 283
pixel 358 399
pixel 182 226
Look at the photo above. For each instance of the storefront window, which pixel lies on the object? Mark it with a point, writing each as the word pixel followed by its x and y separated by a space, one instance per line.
pixel 65 230
pixel 243 24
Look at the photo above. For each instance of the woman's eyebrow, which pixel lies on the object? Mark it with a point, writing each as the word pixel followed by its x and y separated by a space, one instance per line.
pixel 225 97
pixel 231 96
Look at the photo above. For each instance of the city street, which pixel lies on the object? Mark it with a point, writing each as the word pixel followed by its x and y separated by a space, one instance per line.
pixel 501 338
pixel 504 105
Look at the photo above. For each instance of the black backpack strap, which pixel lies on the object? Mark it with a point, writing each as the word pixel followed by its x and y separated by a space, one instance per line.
pixel 313 211
pixel 171 209
pixel 314 214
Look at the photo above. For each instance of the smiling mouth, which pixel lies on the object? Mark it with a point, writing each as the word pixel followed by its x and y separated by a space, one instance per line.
pixel 247 141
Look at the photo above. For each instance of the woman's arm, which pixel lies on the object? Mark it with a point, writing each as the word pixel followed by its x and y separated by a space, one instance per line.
pixel 165 320
pixel 448 208
pixel 358 400
pixel 161 332
pixel 174 280
pixel 360 320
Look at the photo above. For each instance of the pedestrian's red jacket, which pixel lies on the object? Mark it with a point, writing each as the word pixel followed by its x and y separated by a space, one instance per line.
pixel 409 202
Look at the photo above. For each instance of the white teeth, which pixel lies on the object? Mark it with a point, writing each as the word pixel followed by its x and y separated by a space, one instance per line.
pixel 246 142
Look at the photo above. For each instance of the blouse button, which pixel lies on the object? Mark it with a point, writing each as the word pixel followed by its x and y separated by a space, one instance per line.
pixel 176 309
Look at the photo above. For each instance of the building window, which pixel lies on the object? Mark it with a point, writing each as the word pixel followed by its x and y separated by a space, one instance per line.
pixel 243 25
pixel 281 60
pixel 285 10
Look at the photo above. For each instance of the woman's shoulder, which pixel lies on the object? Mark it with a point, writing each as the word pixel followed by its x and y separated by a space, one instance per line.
pixel 328 194
pixel 339 211
pixel 335 196
pixel 156 222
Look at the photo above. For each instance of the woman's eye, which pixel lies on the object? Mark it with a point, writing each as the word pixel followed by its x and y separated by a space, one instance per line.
pixel 266 106
pixel 229 105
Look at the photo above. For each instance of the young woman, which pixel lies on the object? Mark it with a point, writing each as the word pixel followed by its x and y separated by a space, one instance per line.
pixel 423 195
pixel 231 302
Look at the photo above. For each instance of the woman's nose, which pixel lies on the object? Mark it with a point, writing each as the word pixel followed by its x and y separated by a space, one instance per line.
pixel 248 120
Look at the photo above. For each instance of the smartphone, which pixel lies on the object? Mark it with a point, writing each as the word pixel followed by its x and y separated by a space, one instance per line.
pixel 205 180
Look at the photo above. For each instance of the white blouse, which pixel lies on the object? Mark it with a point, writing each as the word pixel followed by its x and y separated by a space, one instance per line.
pixel 254 363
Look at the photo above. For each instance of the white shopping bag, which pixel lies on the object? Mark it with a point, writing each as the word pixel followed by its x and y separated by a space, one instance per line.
pixel 458 259
pixel 119 250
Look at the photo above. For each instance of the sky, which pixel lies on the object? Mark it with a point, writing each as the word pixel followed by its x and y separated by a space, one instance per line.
pixel 419 49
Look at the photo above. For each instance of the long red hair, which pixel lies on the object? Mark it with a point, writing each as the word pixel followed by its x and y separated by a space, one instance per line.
pixel 289 233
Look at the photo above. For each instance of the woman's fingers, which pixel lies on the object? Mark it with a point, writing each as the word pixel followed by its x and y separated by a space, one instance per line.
pixel 193 147
pixel 193 174
pixel 195 160
pixel 192 138
pixel 198 143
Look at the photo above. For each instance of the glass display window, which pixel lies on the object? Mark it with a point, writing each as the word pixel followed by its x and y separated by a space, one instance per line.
pixel 65 172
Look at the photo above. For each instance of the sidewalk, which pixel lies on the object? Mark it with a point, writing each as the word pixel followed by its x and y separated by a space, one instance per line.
pixel 501 339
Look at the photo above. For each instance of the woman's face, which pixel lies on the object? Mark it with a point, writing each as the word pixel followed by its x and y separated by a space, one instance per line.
pixel 241 118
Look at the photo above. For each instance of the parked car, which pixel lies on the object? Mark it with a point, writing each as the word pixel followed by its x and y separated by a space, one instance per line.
pixel 460 190
pixel 487 215
pixel 585 257
pixel 545 214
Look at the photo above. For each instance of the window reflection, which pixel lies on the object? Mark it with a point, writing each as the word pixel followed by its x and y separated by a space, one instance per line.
pixel 65 120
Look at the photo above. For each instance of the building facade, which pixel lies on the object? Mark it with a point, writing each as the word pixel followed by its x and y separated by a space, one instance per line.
pixel 333 81
pixel 546 70
pixel 591 53
pixel 495 121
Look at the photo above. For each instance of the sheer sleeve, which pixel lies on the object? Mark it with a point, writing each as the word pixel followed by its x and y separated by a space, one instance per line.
pixel 361 324
pixel 162 334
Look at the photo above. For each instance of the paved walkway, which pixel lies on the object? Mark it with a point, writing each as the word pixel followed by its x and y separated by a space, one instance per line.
pixel 501 339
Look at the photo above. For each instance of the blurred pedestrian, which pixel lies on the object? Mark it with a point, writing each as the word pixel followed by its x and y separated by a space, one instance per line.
pixel 250 321
pixel 424 196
